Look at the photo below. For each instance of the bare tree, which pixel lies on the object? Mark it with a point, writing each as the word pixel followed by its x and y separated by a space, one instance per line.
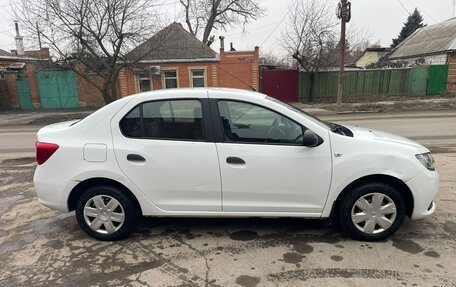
pixel 90 37
pixel 202 16
pixel 312 39
pixel 310 33
pixel 269 58
pixel 358 40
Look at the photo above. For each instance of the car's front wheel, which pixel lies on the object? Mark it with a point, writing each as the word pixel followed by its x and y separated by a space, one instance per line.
pixel 106 213
pixel 371 211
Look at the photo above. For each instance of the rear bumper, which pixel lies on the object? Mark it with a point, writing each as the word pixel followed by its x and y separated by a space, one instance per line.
pixel 54 205
pixel 424 188
pixel 51 189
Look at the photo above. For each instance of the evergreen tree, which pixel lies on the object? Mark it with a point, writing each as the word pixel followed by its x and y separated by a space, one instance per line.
pixel 414 22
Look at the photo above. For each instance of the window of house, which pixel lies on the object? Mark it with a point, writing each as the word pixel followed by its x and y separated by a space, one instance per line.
pixel 175 119
pixel 170 79
pixel 249 123
pixel 144 81
pixel 198 79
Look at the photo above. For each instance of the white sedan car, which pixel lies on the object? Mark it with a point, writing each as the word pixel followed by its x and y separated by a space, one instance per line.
pixel 229 153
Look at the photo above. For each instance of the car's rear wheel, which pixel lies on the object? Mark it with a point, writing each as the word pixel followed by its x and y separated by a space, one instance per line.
pixel 106 213
pixel 371 211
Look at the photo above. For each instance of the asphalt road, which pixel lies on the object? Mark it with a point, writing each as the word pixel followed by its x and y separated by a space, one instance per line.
pixel 436 127
pixel 42 247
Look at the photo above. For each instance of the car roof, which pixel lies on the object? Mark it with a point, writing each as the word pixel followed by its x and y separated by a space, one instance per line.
pixel 199 93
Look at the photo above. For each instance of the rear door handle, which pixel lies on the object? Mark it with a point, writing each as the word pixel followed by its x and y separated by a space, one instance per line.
pixel 135 157
pixel 235 160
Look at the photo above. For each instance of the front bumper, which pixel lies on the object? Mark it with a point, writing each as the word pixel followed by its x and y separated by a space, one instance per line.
pixel 424 188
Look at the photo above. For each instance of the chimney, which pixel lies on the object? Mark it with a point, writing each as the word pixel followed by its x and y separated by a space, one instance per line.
pixel 45 53
pixel 19 41
pixel 222 42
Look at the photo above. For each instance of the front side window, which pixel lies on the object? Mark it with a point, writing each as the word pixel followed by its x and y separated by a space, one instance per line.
pixel 249 123
pixel 198 79
pixel 170 79
pixel 144 82
pixel 173 119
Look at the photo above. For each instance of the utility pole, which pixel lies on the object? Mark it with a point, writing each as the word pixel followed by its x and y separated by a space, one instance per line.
pixel 344 14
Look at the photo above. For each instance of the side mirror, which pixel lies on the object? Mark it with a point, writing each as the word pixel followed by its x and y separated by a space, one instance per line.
pixel 311 139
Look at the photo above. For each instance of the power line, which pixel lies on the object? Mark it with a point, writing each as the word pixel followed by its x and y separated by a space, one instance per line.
pixel 9 30
pixel 237 78
pixel 405 8
pixel 281 21
pixel 254 29
pixel 424 11
pixel 424 28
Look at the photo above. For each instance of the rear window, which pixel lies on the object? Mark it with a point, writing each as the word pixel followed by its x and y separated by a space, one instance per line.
pixel 172 119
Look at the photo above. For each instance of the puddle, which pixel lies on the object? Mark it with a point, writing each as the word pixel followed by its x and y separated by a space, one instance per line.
pixel 18 161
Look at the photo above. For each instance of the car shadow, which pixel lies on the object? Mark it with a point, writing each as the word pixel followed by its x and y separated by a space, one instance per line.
pixel 242 229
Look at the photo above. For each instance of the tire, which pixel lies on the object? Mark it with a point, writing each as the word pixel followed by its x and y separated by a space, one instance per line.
pixel 106 213
pixel 371 211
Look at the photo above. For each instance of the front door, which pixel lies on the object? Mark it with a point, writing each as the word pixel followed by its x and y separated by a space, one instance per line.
pixel 265 167
pixel 162 147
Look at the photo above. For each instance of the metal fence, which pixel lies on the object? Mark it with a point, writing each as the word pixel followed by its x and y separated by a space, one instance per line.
pixel 417 81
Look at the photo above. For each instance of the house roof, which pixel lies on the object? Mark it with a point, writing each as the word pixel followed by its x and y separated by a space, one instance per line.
pixel 173 44
pixel 4 53
pixel 435 39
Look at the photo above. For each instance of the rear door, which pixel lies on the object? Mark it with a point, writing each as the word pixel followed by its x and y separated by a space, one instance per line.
pixel 264 166
pixel 164 147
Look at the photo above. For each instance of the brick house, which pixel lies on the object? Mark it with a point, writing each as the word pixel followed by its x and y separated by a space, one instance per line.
pixel 14 68
pixel 174 58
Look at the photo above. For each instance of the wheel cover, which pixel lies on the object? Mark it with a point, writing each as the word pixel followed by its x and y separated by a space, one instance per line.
pixel 104 214
pixel 373 213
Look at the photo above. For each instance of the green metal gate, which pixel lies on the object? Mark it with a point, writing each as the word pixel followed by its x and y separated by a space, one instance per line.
pixel 438 75
pixel 25 97
pixel 58 89
pixel 418 81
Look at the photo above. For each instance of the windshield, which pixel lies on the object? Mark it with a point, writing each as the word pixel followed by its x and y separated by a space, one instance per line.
pixel 308 116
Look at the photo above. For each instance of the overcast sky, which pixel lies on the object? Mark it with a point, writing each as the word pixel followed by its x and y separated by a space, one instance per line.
pixel 383 19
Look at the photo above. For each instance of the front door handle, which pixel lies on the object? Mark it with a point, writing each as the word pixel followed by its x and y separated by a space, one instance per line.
pixel 135 158
pixel 235 160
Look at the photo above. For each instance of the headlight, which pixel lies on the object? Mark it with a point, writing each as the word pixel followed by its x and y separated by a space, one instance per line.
pixel 427 160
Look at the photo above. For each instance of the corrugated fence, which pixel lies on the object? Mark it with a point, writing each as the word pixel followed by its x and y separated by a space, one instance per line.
pixel 417 81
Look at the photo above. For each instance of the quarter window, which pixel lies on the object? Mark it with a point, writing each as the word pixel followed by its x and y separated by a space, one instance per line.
pixel 198 79
pixel 170 79
pixel 249 123
pixel 175 119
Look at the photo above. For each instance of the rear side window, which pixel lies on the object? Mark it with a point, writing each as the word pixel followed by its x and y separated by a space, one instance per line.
pixel 173 119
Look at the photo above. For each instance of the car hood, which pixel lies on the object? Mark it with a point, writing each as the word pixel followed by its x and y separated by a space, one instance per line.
pixel 360 132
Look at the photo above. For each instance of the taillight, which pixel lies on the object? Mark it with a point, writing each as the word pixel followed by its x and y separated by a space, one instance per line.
pixel 44 151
